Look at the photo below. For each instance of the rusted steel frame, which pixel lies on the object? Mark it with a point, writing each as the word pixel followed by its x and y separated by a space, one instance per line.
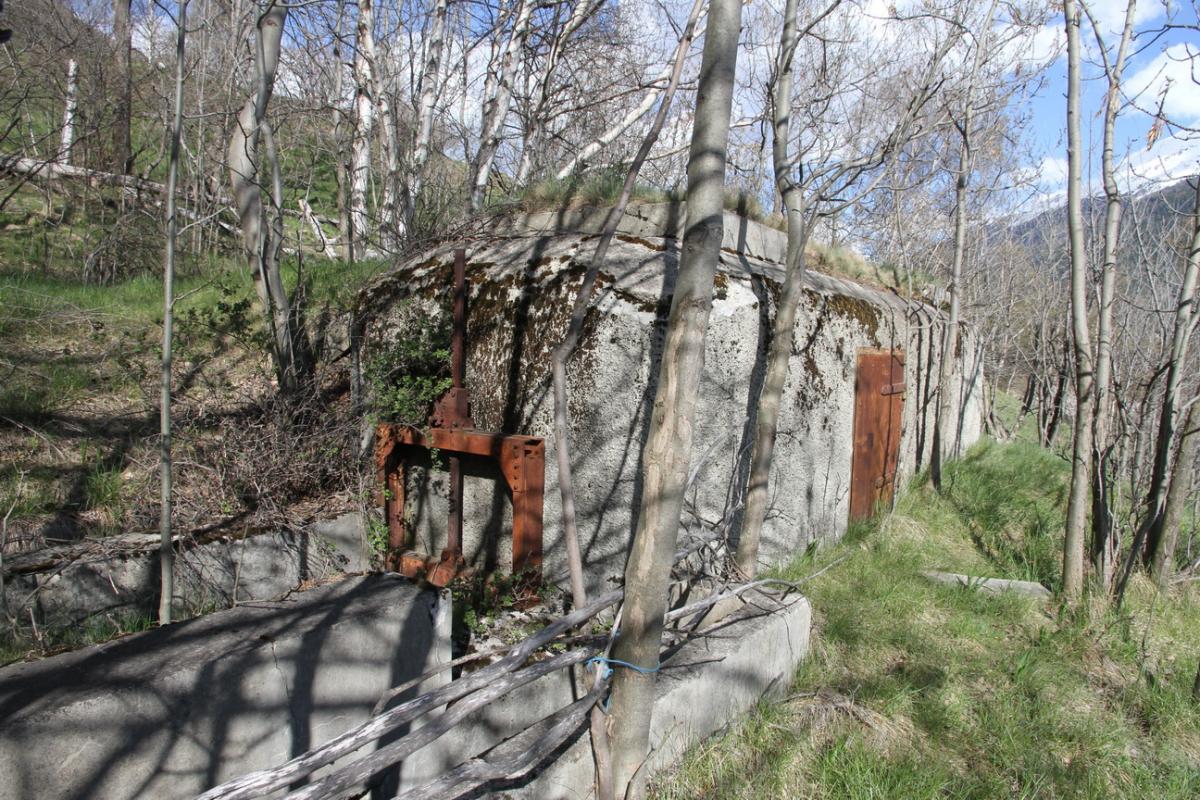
pixel 452 410
pixel 454 413
pixel 522 461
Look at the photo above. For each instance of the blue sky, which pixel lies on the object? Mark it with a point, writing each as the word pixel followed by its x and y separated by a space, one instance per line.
pixel 1154 66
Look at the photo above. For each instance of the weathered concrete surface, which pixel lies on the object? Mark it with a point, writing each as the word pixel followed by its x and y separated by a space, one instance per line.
pixel 990 585
pixel 173 711
pixel 523 280
pixel 704 686
pixel 66 585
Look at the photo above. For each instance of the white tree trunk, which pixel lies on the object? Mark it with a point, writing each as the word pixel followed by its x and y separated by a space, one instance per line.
pixel 584 156
pixel 1077 504
pixel 67 143
pixel 262 242
pixel 497 102
pixel 425 108
pixel 667 453
pixel 1104 544
pixel 364 114
pixel 166 546
pixel 945 428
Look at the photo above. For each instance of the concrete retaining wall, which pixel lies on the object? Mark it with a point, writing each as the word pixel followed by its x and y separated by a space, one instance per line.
pixel 173 711
pixel 120 574
pixel 705 686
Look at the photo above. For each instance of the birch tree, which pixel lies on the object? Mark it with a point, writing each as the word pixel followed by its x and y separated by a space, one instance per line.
pixel 166 546
pixel 668 448
pixel 262 236
pixel 122 156
pixel 364 117
pixel 1077 504
pixel 70 108
pixel 497 100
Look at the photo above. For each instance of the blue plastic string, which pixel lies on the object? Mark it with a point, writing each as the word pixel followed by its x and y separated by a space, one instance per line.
pixel 609 663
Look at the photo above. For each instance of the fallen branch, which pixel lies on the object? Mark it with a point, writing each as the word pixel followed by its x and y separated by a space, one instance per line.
pixel 262 782
pixel 363 769
pixel 511 758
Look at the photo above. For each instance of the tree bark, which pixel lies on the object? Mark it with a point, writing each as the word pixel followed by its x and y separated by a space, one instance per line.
pixel 122 155
pixel 364 115
pixel 1185 314
pixel 345 244
pixel 1077 505
pixel 496 105
pixel 784 324
pixel 166 546
pixel 1104 545
pixel 668 447
pixel 263 242
pixel 1162 569
pixel 67 141
pixel 415 172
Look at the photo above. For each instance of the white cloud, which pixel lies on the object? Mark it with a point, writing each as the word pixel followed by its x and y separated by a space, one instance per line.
pixel 1110 14
pixel 1170 160
pixel 1170 76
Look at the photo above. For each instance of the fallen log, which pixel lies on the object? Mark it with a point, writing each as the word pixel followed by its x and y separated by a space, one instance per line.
pixel 510 759
pixel 262 782
pixel 362 770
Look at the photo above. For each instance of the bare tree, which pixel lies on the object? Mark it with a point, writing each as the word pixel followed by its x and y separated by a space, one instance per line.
pixel 70 109
pixel 263 241
pixel 122 156
pixel 1104 543
pixel 668 448
pixel 813 182
pixel 1077 505
pixel 166 547
pixel 364 118
pixel 497 99
pixel 1186 316
pixel 964 123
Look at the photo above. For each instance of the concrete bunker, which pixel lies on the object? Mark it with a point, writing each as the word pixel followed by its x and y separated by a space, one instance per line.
pixel 523 277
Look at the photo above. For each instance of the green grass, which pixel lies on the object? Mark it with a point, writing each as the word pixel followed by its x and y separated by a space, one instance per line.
pixel 97 629
pixel 917 690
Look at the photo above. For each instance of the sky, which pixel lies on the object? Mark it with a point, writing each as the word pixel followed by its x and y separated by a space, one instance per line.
pixel 1157 69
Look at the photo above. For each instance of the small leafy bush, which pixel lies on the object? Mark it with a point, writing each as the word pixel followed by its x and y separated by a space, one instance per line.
pixel 411 372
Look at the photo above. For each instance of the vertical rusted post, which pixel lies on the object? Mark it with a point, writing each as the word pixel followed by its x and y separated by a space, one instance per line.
pixel 458 368
pixel 454 415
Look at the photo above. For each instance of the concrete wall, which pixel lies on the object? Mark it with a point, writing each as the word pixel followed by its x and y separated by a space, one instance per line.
pixel 173 711
pixel 523 281
pixel 703 686
pixel 120 574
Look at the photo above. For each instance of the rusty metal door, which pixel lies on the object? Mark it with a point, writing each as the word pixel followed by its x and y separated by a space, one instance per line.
pixel 878 415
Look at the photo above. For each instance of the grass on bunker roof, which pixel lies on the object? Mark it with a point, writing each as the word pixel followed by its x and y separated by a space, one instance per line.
pixel 916 690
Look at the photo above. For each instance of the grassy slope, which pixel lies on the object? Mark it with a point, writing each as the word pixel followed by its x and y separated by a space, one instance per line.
pixel 78 361
pixel 917 690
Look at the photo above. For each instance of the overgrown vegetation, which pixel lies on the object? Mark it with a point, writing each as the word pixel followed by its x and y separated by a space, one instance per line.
pixel 408 374
pixel 916 690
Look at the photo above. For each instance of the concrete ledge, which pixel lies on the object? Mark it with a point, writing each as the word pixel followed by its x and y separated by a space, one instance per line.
pixel 173 711
pixel 990 585
pixel 121 574
pixel 703 687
